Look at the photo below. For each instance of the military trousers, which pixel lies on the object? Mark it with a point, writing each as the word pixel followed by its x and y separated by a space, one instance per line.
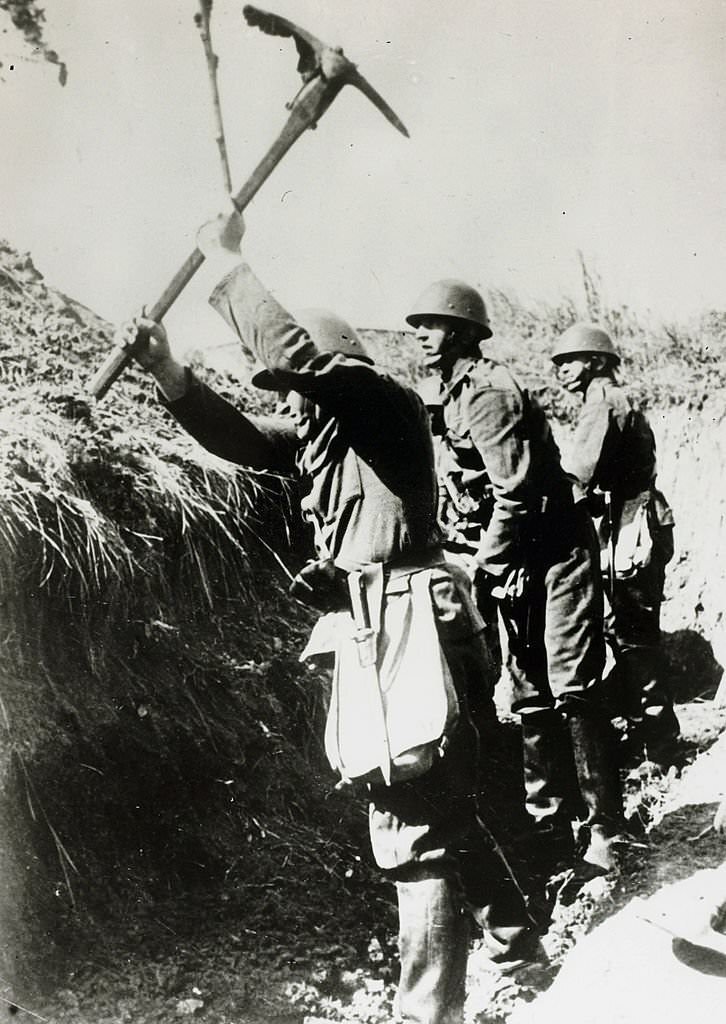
pixel 632 629
pixel 428 838
pixel 556 656
pixel 555 629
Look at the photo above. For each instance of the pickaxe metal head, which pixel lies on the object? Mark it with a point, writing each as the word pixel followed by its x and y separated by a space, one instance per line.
pixel 318 59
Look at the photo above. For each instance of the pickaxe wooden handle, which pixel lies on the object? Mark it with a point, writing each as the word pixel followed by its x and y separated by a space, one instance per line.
pixel 325 70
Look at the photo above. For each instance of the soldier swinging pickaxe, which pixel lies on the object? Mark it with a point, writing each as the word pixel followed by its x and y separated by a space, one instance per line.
pixel 324 70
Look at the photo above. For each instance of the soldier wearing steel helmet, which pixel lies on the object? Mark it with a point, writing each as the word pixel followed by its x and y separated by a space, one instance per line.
pixel 613 458
pixel 465 507
pixel 361 445
pixel 537 546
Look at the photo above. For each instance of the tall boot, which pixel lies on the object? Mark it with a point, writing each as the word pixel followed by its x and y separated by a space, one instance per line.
pixel 599 781
pixel 433 940
pixel 653 728
pixel 550 788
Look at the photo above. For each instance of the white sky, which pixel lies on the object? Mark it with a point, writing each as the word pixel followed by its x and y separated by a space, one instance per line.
pixel 538 127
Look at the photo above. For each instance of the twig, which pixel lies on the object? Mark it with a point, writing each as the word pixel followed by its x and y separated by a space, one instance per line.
pixel 660 927
pixel 704 832
pixel 24 1009
pixel 12 1003
pixel 201 20
pixel 64 858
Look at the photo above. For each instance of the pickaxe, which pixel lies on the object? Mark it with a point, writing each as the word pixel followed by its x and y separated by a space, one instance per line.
pixel 324 70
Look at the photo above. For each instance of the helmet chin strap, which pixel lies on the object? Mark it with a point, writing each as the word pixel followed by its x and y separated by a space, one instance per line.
pixel 598 367
pixel 454 349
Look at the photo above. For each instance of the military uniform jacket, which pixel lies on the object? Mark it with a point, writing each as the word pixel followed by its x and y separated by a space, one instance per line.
pixel 365 454
pixel 613 451
pixel 497 444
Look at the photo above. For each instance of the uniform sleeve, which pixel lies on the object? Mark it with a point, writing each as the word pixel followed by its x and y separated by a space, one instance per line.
pixel 259 442
pixel 377 413
pixel 267 332
pixel 497 430
pixel 588 443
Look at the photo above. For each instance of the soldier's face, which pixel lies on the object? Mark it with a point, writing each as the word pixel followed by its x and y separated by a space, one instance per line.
pixel 437 339
pixel 299 409
pixel 574 372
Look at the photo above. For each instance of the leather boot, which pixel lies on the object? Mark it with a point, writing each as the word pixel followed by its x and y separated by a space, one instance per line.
pixel 434 936
pixel 550 786
pixel 653 728
pixel 599 781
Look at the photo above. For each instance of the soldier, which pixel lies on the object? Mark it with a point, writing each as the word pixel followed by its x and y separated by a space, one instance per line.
pixel 540 551
pixel 613 459
pixel 466 501
pixel 361 444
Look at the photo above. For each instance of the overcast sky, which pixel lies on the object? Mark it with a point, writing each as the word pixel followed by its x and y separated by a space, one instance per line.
pixel 538 128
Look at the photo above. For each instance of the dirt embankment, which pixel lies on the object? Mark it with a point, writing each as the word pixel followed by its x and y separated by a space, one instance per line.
pixel 692 454
pixel 160 738
pixel 171 840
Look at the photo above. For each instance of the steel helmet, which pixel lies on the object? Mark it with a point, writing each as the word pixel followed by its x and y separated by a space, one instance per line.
pixel 454 299
pixel 328 332
pixel 584 340
pixel 331 333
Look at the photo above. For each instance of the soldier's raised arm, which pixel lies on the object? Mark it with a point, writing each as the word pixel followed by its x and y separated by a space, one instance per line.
pixel 255 441
pixel 320 356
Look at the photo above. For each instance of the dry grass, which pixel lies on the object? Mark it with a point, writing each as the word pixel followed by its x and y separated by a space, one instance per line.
pixel 148 656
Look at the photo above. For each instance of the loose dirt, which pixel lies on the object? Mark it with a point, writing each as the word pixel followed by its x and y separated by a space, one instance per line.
pixel 239 956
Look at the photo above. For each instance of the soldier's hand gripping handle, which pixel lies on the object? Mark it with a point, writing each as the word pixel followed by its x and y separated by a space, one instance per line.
pixel 223 234
pixel 128 343
pixel 146 341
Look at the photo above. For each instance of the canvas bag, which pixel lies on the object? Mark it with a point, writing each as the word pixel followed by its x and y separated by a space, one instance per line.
pixel 389 720
pixel 651 522
pixel 634 544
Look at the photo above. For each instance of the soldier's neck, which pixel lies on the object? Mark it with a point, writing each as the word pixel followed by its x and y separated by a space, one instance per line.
pixel 459 366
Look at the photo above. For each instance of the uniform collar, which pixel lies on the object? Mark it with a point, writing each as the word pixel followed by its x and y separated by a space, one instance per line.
pixel 462 372
pixel 597 388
